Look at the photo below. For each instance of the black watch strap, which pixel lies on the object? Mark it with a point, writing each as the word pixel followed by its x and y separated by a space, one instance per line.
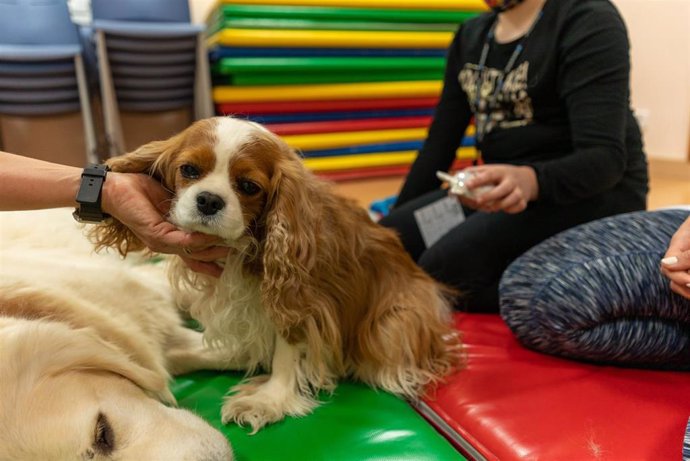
pixel 89 195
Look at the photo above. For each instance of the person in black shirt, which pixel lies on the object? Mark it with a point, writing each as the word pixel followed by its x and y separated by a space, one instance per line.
pixel 547 84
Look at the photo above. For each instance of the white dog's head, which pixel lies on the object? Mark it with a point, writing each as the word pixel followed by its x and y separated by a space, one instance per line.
pixel 68 395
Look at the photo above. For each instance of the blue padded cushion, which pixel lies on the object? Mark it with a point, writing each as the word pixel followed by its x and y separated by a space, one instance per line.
pixel 595 293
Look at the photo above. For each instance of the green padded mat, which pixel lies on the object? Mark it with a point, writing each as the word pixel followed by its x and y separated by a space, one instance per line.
pixel 356 423
pixel 325 24
pixel 339 14
pixel 283 65
pixel 292 79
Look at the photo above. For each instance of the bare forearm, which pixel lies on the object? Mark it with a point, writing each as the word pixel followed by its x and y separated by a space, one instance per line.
pixel 27 183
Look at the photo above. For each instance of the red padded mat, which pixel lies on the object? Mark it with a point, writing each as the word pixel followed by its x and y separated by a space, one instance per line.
pixel 284 129
pixel 514 404
pixel 289 107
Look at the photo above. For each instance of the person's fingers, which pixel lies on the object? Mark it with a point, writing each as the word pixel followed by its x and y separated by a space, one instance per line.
pixel 495 194
pixel 173 238
pixel 206 268
pixel 514 203
pixel 684 291
pixel 213 253
pixel 677 262
pixel 484 176
pixel 680 277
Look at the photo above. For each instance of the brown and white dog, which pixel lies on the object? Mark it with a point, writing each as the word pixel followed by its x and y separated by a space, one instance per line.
pixel 312 292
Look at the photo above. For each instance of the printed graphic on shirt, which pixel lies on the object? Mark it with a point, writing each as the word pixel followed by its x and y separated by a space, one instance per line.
pixel 496 103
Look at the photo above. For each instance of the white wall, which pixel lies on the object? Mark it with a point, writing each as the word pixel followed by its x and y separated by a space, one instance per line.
pixel 200 9
pixel 659 33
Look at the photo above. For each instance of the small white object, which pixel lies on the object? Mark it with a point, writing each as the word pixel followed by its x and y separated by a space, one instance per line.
pixel 436 219
pixel 458 183
pixel 670 260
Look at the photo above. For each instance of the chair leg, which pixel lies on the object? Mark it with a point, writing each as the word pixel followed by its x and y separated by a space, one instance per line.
pixel 86 114
pixel 203 104
pixel 111 113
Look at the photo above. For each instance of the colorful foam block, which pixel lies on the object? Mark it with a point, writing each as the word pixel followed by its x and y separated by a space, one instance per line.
pixel 366 13
pixel 285 129
pixel 413 89
pixel 348 162
pixel 253 65
pixel 330 38
pixel 326 105
pixel 458 5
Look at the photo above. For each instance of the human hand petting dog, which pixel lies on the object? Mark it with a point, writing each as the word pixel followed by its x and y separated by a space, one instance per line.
pixel 141 204
pixel 676 263
pixel 136 200
pixel 512 188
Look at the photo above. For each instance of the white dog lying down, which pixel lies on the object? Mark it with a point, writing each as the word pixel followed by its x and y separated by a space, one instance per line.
pixel 86 347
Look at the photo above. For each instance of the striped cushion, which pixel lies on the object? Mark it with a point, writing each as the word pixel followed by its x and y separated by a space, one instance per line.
pixel 686 443
pixel 595 293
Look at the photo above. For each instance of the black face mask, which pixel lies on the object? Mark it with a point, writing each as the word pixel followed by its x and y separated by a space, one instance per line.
pixel 502 5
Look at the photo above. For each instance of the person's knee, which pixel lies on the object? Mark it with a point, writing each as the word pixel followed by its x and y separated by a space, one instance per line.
pixel 459 266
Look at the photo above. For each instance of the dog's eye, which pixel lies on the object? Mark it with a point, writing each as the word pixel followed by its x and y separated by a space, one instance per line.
pixel 247 187
pixel 104 436
pixel 189 171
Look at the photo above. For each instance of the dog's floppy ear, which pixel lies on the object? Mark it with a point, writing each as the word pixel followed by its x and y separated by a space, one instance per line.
pixel 290 246
pixel 154 159
pixel 51 348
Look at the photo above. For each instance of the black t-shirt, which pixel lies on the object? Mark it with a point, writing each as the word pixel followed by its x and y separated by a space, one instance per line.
pixel 563 109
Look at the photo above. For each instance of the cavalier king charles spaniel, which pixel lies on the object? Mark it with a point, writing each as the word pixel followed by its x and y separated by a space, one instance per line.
pixel 313 290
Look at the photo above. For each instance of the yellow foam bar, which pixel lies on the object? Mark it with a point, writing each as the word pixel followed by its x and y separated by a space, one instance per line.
pixel 286 38
pixel 407 89
pixel 353 138
pixel 454 5
pixel 335 140
pixel 347 162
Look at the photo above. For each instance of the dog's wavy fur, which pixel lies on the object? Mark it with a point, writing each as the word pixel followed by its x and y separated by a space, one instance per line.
pixel 89 341
pixel 310 273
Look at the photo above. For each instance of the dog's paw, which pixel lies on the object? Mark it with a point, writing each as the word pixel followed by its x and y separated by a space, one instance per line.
pixel 259 402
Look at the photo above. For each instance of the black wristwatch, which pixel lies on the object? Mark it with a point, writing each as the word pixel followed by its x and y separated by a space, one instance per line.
pixel 89 195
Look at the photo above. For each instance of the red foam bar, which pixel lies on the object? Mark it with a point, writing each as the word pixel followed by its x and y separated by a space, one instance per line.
pixel 348 125
pixel 510 403
pixel 379 172
pixel 365 173
pixel 289 107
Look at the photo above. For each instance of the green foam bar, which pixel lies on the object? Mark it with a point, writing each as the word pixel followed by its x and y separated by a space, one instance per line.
pixel 237 66
pixel 328 77
pixel 325 24
pixel 355 423
pixel 343 14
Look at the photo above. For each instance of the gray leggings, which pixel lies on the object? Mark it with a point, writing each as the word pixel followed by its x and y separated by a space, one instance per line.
pixel 595 293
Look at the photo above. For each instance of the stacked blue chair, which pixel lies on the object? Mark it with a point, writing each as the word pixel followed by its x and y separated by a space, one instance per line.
pixel 41 64
pixel 150 58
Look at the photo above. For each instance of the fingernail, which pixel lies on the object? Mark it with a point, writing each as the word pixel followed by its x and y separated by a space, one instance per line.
pixel 687 285
pixel 670 260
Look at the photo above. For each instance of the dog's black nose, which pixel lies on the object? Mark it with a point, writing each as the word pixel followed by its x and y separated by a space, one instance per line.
pixel 208 203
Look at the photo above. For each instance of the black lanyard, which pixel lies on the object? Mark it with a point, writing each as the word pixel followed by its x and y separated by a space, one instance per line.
pixel 491 99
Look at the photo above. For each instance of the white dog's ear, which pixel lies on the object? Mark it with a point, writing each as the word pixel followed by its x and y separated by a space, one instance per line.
pixel 53 348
